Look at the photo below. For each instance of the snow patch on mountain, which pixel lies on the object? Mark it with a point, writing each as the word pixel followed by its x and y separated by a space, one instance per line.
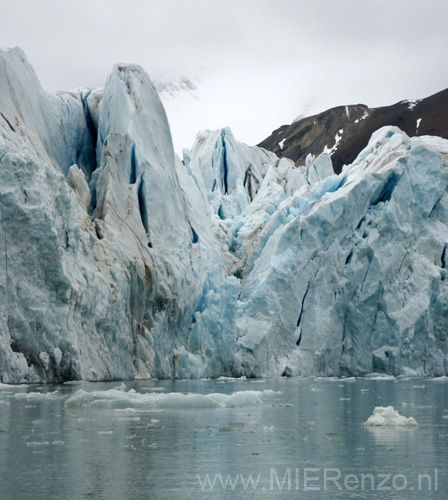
pixel 337 140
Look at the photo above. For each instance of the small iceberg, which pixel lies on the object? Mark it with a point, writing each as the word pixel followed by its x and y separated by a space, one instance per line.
pixel 37 396
pixel 119 399
pixel 439 379
pixel 387 416
pixel 8 387
pixel 378 376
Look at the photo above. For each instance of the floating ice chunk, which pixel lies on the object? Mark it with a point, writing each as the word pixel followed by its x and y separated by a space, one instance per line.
pixel 175 400
pixel 37 395
pixel 268 429
pixel 242 398
pixel 38 421
pixel 379 376
pixel 9 387
pixel 121 387
pixel 119 411
pixel 440 379
pixel 128 419
pixel 231 379
pixel 388 416
pixel 335 379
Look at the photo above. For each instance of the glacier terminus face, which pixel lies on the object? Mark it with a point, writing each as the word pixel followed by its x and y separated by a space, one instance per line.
pixel 119 260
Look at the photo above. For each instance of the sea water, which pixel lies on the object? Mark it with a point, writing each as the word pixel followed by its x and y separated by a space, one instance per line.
pixel 296 438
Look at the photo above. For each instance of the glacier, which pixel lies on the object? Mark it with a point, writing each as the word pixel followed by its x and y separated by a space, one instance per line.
pixel 119 260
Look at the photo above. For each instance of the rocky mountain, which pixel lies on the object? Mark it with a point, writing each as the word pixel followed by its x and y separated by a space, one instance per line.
pixel 120 261
pixel 344 131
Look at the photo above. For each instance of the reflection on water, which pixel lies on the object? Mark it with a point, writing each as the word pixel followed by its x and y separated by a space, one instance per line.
pixel 306 440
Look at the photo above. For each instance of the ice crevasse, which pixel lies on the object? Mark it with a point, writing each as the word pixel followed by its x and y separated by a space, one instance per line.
pixel 119 260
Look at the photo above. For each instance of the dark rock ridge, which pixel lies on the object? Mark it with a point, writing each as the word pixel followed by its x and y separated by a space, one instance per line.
pixel 345 131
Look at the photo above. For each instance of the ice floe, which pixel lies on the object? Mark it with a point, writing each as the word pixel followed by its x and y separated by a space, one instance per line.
pixel 388 416
pixel 175 400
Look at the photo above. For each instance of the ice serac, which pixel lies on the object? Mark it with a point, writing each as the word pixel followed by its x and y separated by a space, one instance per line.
pixel 353 275
pixel 147 216
pixel 53 126
pixel 346 275
pixel 118 260
pixel 101 269
pixel 232 172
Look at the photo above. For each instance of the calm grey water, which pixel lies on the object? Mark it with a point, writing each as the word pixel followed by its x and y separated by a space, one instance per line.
pixel 291 446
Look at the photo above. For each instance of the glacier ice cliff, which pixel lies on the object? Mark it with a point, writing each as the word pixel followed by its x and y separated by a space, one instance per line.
pixel 119 260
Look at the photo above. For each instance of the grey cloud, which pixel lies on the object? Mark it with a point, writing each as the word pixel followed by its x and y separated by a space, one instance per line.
pixel 273 53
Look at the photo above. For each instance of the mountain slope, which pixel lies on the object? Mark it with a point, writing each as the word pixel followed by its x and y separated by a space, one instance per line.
pixel 345 130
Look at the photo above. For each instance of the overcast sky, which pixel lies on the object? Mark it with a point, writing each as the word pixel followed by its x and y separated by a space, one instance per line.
pixel 258 63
